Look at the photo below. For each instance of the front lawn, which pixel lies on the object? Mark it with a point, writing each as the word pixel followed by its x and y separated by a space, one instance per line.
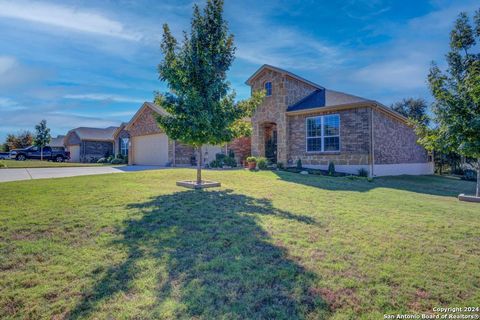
pixel 44 164
pixel 265 245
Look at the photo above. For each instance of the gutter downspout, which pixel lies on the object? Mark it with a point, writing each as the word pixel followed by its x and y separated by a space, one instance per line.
pixel 372 147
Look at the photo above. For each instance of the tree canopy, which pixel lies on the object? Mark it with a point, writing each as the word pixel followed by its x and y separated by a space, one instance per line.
pixel 457 93
pixel 415 109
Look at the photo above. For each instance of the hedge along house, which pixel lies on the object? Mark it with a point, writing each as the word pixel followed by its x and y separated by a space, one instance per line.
pixel 90 144
pixel 299 119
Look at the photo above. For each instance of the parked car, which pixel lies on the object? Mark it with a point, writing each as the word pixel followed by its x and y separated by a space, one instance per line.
pixel 4 155
pixel 57 154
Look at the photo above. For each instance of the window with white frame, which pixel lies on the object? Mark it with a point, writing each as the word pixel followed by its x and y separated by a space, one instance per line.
pixel 323 133
pixel 124 146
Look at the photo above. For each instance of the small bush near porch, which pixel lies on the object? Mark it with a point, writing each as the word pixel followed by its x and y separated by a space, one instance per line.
pixel 267 245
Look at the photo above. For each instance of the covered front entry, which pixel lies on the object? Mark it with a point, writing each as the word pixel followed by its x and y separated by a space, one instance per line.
pixel 270 138
pixel 150 149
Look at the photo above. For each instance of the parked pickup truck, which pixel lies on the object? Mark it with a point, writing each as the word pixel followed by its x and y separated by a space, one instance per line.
pixel 57 154
pixel 4 155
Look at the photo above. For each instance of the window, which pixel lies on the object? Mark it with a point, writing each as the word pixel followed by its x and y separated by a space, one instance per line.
pixel 124 146
pixel 323 133
pixel 268 88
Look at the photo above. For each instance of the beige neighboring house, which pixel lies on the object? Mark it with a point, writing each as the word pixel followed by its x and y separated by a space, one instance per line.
pixel 299 119
pixel 90 144
pixel 149 145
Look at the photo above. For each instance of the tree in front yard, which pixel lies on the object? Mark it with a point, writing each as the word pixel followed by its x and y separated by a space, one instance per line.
pixel 42 136
pixel 457 95
pixel 200 105
pixel 415 109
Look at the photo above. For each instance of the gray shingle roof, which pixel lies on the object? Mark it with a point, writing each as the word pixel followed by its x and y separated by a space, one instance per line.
pixel 325 98
pixel 57 142
pixel 98 134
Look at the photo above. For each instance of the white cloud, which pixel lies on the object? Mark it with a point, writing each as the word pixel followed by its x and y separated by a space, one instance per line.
pixel 7 104
pixel 6 63
pixel 72 18
pixel 14 74
pixel 103 97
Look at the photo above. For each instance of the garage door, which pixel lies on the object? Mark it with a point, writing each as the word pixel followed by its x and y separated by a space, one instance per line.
pixel 74 153
pixel 150 150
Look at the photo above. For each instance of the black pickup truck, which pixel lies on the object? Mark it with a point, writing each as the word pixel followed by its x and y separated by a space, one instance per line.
pixel 56 154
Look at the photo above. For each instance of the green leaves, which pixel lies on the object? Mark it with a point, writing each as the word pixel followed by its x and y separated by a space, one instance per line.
pixel 457 94
pixel 200 104
pixel 42 136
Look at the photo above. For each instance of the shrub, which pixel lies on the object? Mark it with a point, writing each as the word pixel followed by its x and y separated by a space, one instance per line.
pixel 230 161
pixel 362 172
pixel 251 159
pixel 116 161
pixel 262 163
pixel 2 165
pixel 280 165
pixel 469 175
pixel 299 164
pixel 222 160
pixel 102 160
pixel 331 169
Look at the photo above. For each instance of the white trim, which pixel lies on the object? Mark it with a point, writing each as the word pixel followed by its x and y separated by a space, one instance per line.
pixel 413 169
pixel 322 134
pixel 403 168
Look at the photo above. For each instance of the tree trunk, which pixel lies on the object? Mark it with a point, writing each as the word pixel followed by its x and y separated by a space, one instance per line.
pixel 199 165
pixel 478 177
pixel 41 153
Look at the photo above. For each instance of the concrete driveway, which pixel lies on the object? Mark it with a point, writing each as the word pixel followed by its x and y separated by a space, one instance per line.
pixel 46 173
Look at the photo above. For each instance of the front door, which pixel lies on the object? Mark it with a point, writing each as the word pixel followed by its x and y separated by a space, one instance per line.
pixel 271 145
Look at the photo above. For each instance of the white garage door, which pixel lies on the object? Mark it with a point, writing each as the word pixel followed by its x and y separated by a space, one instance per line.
pixel 74 153
pixel 150 150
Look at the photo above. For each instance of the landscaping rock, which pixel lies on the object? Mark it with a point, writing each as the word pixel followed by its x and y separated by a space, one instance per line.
pixel 304 172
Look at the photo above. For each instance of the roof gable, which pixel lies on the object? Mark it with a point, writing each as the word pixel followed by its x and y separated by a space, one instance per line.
pixel 146 105
pixel 285 72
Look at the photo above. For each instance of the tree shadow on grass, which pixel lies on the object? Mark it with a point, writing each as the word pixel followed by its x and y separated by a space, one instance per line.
pixel 432 185
pixel 215 261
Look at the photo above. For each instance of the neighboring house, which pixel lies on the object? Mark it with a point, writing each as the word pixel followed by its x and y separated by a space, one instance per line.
pixel 90 144
pixel 149 145
pixel 57 142
pixel 299 119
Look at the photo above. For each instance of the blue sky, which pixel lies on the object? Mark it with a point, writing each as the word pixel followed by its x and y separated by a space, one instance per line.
pixel 92 63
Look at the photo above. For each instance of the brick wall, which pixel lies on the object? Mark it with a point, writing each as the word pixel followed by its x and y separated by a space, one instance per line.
pixel 395 142
pixel 354 139
pixel 95 150
pixel 285 91
pixel 183 154
pixel 146 123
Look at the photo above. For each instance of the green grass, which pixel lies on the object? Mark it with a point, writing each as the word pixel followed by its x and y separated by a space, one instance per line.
pixel 4 164
pixel 265 245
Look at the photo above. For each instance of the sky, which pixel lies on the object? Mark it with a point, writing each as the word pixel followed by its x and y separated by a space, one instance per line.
pixel 93 63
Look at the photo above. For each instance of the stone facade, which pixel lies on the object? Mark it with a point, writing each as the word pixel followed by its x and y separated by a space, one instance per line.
pixel 146 123
pixel 395 141
pixel 285 91
pixel 90 151
pixel 354 139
